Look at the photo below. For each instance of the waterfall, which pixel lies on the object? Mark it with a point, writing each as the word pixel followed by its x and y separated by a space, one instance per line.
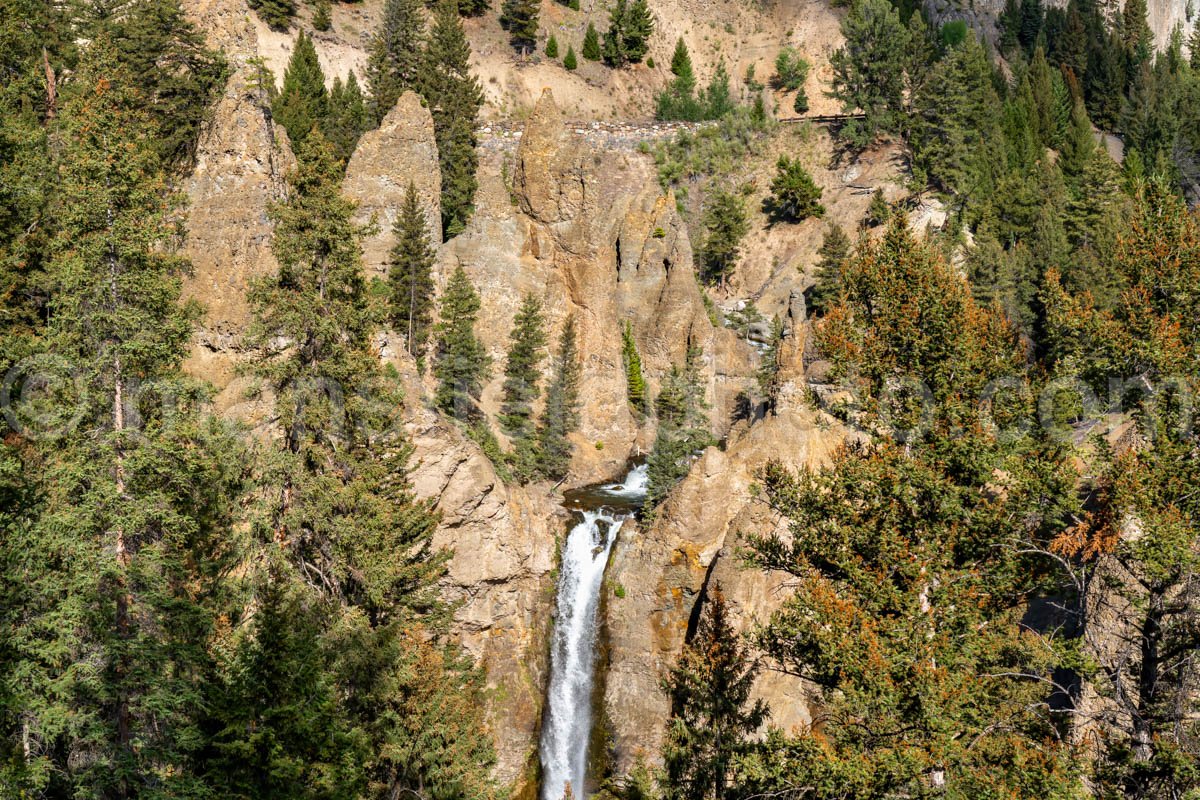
pixel 568 720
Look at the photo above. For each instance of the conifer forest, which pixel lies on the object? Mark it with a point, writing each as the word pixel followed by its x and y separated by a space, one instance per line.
pixel 599 400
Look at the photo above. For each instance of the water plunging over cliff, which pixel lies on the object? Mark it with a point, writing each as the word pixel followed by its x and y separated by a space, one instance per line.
pixel 568 721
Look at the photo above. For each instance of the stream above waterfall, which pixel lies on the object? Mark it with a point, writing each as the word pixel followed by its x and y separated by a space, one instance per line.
pixel 567 724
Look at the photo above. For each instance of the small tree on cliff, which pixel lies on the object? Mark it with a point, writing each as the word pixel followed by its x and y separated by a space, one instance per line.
pixel 682 429
pixel 461 363
pixel 561 414
pixel 394 60
pixel 591 44
pixel 410 276
pixel 635 381
pixel 712 716
pixel 520 19
pixel 794 195
pixel 303 103
pixel 725 225
pixel 522 374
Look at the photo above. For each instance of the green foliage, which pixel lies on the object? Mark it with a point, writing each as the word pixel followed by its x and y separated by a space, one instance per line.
pixel 683 429
pixel 711 151
pixel 454 97
pixel 410 277
pixel 591 44
pixel 725 225
pixel 712 719
pixel 347 118
pixel 678 100
pixel 560 416
pixel 827 281
pixel 627 40
pixel 878 210
pixel 791 69
pixel 461 364
pixel 794 195
pixel 635 381
pixel 303 103
pixel 522 376
pixel 769 374
pixel 276 13
pixel 570 61
pixel 552 47
pixel 395 56
pixel 520 19
pixel 321 20
pixel 868 71
pixel 178 76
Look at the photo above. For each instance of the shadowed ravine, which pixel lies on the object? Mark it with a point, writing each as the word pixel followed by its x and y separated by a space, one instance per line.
pixel 568 722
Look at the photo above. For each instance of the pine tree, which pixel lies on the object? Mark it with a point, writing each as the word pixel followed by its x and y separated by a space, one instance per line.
pixel 678 100
pixel 635 381
pixel 683 429
pixel 454 97
pixel 713 720
pixel 117 567
pixel 522 376
pixel 461 364
pixel 794 195
pixel 791 69
pixel 321 20
pixel 276 13
pixel 725 225
pixel 570 61
pixel 473 8
pixel 868 72
pixel 878 210
pixel 303 102
pixel 520 19
pixel 347 118
pixel 591 44
pixel 410 277
pixel 1139 39
pixel 552 47
pixel 560 417
pixel 834 250
pixel 395 56
pixel 178 76
pixel 627 40
pixel 770 369
pixel 718 99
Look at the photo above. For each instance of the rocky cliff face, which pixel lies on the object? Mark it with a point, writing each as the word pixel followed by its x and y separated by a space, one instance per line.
pixel 664 570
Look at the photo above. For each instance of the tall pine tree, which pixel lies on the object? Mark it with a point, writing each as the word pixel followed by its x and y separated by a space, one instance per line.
pixel 395 56
pixel 303 102
pixel 410 277
pixel 461 364
pixel 560 416
pixel 522 376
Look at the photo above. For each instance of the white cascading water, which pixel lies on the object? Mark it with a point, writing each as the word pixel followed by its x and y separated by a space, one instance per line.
pixel 568 721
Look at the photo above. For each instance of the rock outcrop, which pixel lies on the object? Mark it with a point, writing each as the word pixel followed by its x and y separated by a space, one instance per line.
pixel 242 160
pixel 593 235
pixel 399 151
pixel 663 571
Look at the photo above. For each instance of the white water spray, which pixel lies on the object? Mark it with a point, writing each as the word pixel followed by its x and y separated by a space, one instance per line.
pixel 568 721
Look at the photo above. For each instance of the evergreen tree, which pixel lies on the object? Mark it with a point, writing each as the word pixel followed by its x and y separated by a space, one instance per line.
pixel 678 100
pixel 560 417
pixel 347 118
pixel 635 381
pixel 303 102
pixel 770 369
pixel 834 250
pixel 878 210
pixel 473 8
pixel 712 717
pixel 321 20
pixel 410 277
pixel 461 364
pixel 1045 97
pixel 178 76
pixel 682 429
pixel 117 567
pixel 395 55
pixel 868 71
pixel 627 39
pixel 725 225
pixel 591 44
pixel 522 375
pixel 276 13
pixel 794 195
pixel 552 47
pixel 718 99
pixel 1138 38
pixel 570 61
pixel 791 69
pixel 454 96
pixel 520 19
